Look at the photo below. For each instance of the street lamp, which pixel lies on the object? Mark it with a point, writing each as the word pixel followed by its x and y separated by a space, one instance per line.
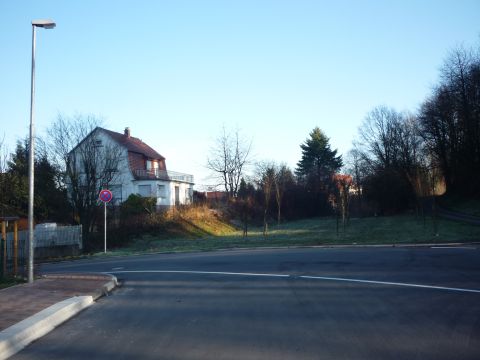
pixel 46 24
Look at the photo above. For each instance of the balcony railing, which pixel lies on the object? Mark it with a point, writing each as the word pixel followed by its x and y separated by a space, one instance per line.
pixel 156 174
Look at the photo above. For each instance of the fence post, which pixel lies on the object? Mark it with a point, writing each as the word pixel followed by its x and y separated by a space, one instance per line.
pixel 4 248
pixel 15 248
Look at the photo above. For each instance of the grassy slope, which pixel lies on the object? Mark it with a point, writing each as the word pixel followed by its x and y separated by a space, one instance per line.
pixel 201 232
pixel 468 206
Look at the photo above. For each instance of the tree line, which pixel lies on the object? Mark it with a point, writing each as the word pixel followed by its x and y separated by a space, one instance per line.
pixel 400 157
pixel 399 160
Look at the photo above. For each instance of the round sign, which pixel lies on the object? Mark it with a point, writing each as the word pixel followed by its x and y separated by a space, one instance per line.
pixel 105 195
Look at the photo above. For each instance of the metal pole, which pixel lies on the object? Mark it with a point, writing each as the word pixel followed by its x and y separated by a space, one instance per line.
pixel 4 248
pixel 15 247
pixel 31 165
pixel 105 227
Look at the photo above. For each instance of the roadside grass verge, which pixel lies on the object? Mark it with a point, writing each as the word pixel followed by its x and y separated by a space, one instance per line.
pixel 10 281
pixel 469 206
pixel 392 230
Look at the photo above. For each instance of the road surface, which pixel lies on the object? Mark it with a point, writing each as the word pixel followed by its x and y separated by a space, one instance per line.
pixel 319 303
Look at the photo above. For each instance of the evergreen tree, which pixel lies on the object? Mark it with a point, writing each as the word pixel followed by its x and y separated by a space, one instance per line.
pixel 319 161
pixel 16 198
pixel 50 201
pixel 317 166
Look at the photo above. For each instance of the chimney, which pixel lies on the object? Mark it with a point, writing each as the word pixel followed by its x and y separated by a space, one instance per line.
pixel 127 132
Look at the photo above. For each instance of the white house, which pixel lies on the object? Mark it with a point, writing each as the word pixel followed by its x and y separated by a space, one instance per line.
pixel 140 170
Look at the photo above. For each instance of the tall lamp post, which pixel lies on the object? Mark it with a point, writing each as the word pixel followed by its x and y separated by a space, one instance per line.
pixel 46 24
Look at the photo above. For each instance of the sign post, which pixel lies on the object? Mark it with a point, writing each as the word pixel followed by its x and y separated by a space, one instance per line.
pixel 105 196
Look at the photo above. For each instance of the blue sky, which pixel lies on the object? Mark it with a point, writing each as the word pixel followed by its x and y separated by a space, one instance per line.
pixel 175 72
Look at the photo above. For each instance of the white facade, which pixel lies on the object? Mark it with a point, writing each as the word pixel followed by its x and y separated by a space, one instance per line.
pixel 167 193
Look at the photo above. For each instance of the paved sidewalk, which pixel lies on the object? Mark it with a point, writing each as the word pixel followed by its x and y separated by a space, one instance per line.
pixel 44 304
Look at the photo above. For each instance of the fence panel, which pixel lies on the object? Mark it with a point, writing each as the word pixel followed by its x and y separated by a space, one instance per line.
pixel 55 242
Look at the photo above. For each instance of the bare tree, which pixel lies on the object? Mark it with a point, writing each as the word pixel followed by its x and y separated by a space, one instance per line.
pixel 87 163
pixel 228 158
pixel 4 177
pixel 343 184
pixel 283 176
pixel 450 122
pixel 378 137
pixel 355 166
pixel 389 151
pixel 266 181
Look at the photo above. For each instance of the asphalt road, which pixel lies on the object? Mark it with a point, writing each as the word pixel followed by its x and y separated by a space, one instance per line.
pixel 352 303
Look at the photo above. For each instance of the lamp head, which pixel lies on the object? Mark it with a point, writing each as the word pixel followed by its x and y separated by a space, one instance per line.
pixel 44 23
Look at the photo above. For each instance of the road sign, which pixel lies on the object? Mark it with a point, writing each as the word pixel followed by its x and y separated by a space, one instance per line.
pixel 105 195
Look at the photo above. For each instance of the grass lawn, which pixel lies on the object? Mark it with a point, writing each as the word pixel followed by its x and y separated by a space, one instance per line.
pixel 317 231
pixel 10 281
pixel 468 206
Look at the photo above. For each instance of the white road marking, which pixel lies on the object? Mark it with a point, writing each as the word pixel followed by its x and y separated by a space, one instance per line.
pixel 197 272
pixel 454 247
pixel 326 278
pixel 391 283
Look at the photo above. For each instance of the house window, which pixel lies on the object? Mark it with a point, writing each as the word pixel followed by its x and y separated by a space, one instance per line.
pixel 145 190
pixel 161 191
pixel 152 165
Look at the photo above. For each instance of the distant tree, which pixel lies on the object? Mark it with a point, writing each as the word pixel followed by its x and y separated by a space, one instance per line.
pixel 317 165
pixel 51 202
pixel 18 179
pixel 245 189
pixel 283 179
pixel 266 182
pixel 343 184
pixel 389 152
pixel 49 197
pixel 356 167
pixel 227 160
pixel 450 122
pixel 245 204
pixel 6 191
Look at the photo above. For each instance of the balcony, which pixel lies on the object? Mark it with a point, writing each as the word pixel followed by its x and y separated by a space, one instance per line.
pixel 156 174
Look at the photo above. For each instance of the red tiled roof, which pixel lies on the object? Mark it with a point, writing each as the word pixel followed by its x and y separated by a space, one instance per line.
pixel 133 144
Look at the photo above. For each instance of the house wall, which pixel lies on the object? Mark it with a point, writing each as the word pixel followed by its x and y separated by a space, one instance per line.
pixel 123 176
pixel 124 183
pixel 163 191
pixel 121 184
pixel 185 192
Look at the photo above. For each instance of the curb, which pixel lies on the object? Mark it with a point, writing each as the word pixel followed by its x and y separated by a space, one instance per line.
pixel 111 283
pixel 18 336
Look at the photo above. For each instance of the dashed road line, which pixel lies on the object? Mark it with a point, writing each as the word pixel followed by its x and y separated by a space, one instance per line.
pixel 324 278
pixel 199 273
pixel 454 247
pixel 391 283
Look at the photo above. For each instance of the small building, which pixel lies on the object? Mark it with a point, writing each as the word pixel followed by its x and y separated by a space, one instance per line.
pixel 138 169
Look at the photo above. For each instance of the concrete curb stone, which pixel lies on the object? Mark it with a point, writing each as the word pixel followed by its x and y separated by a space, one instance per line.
pixel 111 284
pixel 18 336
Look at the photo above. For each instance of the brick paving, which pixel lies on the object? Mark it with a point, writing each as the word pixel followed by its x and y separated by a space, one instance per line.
pixel 22 301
